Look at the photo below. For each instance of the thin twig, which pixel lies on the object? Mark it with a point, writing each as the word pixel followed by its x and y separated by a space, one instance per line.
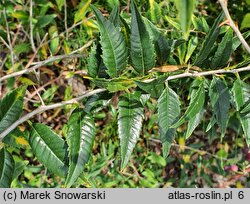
pixel 42 109
pixel 83 47
pixel 8 37
pixel 223 4
pixel 65 19
pixel 40 64
pixel 206 73
pixel 5 43
pixel 35 53
pixel 39 96
pixel 90 93
pixel 31 27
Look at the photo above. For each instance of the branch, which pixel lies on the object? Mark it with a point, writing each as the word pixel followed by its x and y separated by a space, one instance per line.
pixel 90 93
pixel 40 64
pixel 223 4
pixel 48 107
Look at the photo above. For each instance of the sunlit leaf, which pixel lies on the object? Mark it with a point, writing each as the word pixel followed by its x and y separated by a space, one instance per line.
pixel 49 148
pixel 241 96
pixel 129 124
pixel 113 45
pixel 209 42
pixel 7 166
pixel 195 106
pixel 11 107
pixel 185 9
pixel 220 100
pixel 142 49
pixel 168 113
pixel 224 51
pixel 80 137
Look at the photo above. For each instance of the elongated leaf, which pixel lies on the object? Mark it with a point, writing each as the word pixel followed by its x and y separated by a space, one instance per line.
pixel 237 42
pixel 129 124
pixel 209 42
pixel 168 112
pixel 194 121
pixel 60 3
pixel 155 11
pixel 142 49
pixel 224 51
pixel 17 139
pixel 93 63
pixel 114 15
pixel 200 24
pixel 19 168
pixel 81 135
pixel 185 9
pixel 113 45
pixel 246 109
pixel 54 43
pixel 11 107
pixel 49 148
pixel 81 12
pixel 192 44
pixel 220 100
pixel 7 166
pixel 240 98
pixel 195 106
pixel 161 44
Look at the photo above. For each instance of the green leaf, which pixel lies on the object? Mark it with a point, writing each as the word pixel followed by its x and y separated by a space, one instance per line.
pixel 224 51
pixel 168 112
pixel 246 109
pixel 185 10
pixel 237 42
pixel 192 44
pixel 22 48
pixel 209 42
pixel 45 20
pixel 113 3
pixel 154 88
pixel 246 21
pixel 129 124
pixel 220 101
pixel 7 166
pixel 155 11
pixel 241 96
pixel 142 49
pixel 113 45
pixel 200 24
pixel 11 107
pixel 60 3
pixel 80 137
pixel 54 44
pixel 97 101
pixel 194 121
pixel 93 62
pixel 195 106
pixel 114 16
pixel 162 46
pixel 19 168
pixel 17 139
pixel 49 148
pixel 81 12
